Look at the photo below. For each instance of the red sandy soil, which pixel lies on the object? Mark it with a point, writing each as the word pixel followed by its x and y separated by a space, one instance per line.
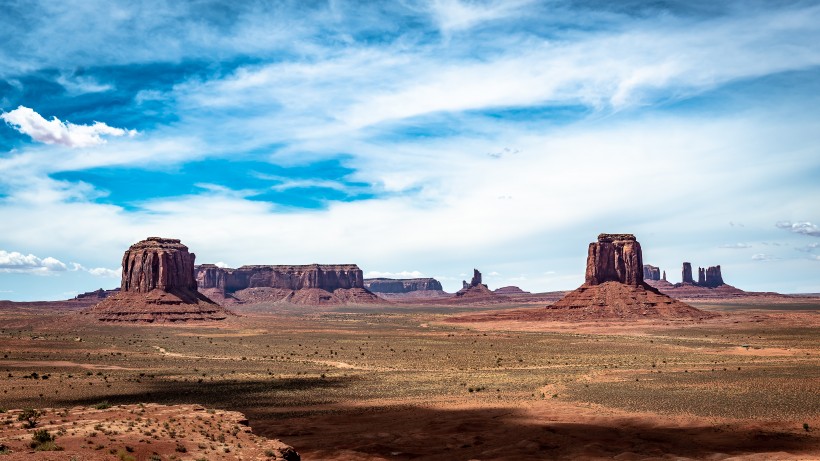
pixel 140 432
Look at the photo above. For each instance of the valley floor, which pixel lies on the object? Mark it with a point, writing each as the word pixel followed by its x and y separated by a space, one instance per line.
pixel 369 383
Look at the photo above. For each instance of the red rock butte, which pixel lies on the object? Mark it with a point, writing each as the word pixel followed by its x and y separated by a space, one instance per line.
pixel 614 286
pixel 158 284
pixel 474 289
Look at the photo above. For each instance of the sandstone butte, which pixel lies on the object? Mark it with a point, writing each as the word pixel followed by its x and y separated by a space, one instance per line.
pixel 474 289
pixel 614 286
pixel 158 285
pixel 311 284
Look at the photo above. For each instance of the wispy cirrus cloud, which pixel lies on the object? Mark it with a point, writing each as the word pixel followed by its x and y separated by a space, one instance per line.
pixel 736 246
pixel 54 131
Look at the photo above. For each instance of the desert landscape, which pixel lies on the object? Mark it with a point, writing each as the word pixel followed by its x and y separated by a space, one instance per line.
pixel 623 373
pixel 427 230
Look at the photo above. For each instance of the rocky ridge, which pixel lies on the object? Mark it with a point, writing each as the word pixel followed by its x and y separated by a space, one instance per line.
pixel 311 284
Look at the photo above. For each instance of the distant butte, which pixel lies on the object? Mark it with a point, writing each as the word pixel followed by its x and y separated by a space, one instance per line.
pixel 474 289
pixel 157 284
pixel 311 284
pixel 406 289
pixel 614 286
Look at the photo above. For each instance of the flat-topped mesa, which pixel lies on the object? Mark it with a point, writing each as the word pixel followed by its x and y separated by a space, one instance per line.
pixel 651 272
pixel 615 258
pixel 343 283
pixel 158 284
pixel 327 277
pixel 386 285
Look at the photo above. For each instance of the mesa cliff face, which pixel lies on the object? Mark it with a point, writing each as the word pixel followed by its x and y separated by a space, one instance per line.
pixel 651 272
pixel 158 284
pixel 297 284
pixel 615 258
pixel 385 285
pixel 614 287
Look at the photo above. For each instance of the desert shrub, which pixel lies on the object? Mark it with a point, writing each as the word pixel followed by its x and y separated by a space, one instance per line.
pixel 42 440
pixel 42 436
pixel 4 450
pixel 806 427
pixel 30 417
pixel 102 405
pixel 181 449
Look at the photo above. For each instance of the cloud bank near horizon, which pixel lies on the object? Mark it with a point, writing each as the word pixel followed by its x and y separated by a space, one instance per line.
pixel 416 137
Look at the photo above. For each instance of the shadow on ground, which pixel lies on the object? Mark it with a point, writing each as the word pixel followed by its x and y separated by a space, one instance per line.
pixel 229 395
pixel 506 434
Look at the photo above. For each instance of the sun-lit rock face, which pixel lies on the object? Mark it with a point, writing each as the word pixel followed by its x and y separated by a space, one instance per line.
pixel 615 258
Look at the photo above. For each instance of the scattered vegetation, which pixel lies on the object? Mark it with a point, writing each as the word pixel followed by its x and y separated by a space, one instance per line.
pixel 30 417
pixel 42 440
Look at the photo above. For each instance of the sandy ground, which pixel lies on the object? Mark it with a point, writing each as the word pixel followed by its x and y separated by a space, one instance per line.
pixel 368 385
pixel 137 432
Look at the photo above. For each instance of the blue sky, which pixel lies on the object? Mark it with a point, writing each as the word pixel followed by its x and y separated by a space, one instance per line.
pixel 414 138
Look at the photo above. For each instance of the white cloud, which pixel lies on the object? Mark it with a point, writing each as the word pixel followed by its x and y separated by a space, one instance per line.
pixel 393 275
pixel 54 131
pixel 804 228
pixel 220 264
pixel 104 272
pixel 808 248
pixel 18 262
pixel 737 246
pixel 764 257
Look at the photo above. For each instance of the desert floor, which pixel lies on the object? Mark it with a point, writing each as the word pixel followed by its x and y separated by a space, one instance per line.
pixel 405 383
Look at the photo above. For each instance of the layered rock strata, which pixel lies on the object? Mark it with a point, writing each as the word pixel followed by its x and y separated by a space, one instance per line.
pixel 614 286
pixel 385 285
pixel 651 272
pixel 296 284
pixel 615 258
pixel 158 284
pixel 406 289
